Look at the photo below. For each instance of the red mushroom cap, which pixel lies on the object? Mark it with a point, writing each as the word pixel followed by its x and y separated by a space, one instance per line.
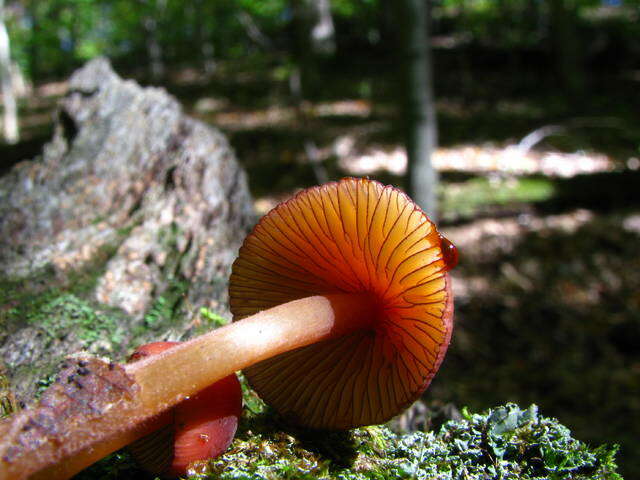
pixel 352 236
pixel 199 428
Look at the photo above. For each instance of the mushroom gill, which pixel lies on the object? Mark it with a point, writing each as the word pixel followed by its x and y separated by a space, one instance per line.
pixel 353 236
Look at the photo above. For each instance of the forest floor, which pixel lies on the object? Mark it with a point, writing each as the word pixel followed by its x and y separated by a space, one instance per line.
pixel 541 200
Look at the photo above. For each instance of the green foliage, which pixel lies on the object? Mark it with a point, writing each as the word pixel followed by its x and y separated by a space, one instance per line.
pixel 51 37
pixel 505 442
pixel 265 9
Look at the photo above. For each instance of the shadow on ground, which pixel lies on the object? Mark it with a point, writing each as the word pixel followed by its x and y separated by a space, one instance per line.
pixel 554 320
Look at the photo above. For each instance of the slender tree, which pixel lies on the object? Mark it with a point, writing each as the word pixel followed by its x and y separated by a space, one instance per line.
pixel 314 39
pixel 419 108
pixel 565 44
pixel 10 119
pixel 203 34
pixel 154 49
pixel 323 31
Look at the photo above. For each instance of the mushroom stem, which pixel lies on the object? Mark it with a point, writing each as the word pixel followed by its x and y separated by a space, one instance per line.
pixel 204 360
pixel 164 380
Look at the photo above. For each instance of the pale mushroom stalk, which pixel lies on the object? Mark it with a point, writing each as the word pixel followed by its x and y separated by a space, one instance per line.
pixel 343 313
pixel 166 379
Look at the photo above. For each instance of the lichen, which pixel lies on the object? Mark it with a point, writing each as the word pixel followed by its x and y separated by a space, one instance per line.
pixel 506 442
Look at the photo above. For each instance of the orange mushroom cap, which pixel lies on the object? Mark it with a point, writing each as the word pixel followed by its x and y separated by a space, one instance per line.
pixel 197 429
pixel 351 236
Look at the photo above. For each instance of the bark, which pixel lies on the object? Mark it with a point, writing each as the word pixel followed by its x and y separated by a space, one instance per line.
pixel 419 108
pixel 129 176
pixel 10 118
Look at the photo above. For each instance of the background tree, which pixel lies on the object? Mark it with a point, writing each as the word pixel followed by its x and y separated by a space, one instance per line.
pixel 10 117
pixel 566 45
pixel 154 13
pixel 419 114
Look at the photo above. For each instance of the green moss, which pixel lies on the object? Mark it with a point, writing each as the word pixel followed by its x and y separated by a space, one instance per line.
pixel 66 312
pixel 56 315
pixel 165 309
pixel 554 320
pixel 57 306
pixel 24 298
pixel 505 442
pixel 58 312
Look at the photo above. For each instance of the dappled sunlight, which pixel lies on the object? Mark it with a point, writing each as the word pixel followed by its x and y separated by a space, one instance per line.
pixel 457 108
pixel 264 204
pixel 511 159
pixel 352 108
pixel 206 105
pixel 537 161
pixel 373 160
pixel 491 237
pixel 52 89
pixel 481 232
pixel 278 115
pixel 548 288
pixel 273 116
pixel 481 158
pixel 632 223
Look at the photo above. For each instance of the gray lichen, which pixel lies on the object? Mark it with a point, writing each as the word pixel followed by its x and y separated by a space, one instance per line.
pixel 505 442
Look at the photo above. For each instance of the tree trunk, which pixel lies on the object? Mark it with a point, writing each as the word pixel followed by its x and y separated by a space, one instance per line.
pixel 419 108
pixel 154 49
pixel 314 38
pixel 33 45
pixel 566 46
pixel 203 36
pixel 10 120
pixel 311 41
pixel 322 30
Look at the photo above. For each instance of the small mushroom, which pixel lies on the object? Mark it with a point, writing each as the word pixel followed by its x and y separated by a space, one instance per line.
pixel 197 429
pixel 343 313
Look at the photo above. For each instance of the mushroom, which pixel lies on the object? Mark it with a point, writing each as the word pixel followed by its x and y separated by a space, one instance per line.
pixel 197 429
pixel 354 237
pixel 343 313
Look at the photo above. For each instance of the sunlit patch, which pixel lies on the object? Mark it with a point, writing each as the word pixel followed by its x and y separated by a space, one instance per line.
pixel 351 236
pixel 513 159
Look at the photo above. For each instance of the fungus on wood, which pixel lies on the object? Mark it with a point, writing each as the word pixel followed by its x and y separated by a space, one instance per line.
pixel 343 313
